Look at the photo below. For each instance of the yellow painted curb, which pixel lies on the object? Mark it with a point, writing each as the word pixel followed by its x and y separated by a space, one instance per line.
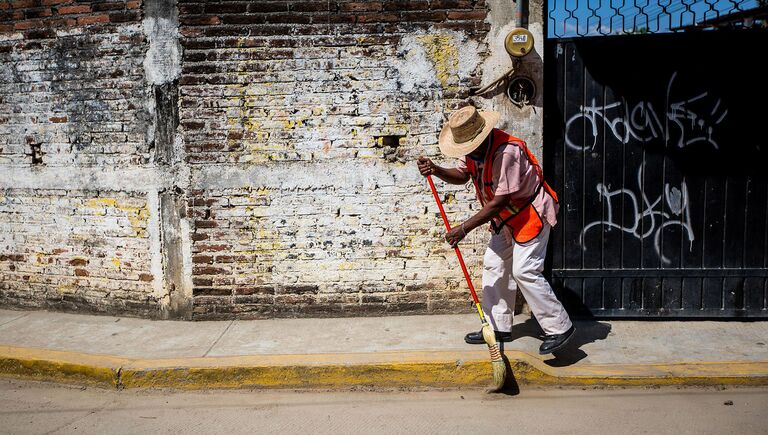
pixel 444 369
pixel 56 366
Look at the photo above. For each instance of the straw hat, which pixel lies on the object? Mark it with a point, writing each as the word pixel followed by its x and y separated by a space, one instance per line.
pixel 466 130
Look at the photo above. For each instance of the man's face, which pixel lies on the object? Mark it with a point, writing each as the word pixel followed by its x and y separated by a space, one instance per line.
pixel 479 152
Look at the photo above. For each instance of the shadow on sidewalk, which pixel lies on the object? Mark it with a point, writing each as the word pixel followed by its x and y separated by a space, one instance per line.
pixel 587 331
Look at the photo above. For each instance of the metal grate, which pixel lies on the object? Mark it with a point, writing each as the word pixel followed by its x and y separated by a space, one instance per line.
pixel 575 18
pixel 660 169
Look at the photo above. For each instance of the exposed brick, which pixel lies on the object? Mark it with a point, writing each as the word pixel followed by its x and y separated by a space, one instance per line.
pixel 20 4
pixel 261 290
pixel 360 6
pixel 202 281
pixel 288 19
pixel 205 224
pixel 124 17
pixel 467 15
pixel 262 7
pixel 74 9
pixel 410 5
pixel 92 19
pixel 431 16
pixel 199 236
pixel 207 291
pixel 242 19
pixel 200 20
pixel 108 6
pixel 40 34
pixel 38 13
pixel 205 259
pixel 301 6
pixel 378 18
pixel 209 271
pixel 25 25
pixel 298 289
pixel 452 4
pixel 226 8
pixel 12 257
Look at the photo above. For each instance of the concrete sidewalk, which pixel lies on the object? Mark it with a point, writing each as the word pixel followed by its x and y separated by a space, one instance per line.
pixel 388 352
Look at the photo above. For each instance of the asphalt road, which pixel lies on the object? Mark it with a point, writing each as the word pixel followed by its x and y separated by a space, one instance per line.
pixel 28 407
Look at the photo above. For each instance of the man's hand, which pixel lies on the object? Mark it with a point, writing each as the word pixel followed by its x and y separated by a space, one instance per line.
pixel 449 175
pixel 426 167
pixel 454 236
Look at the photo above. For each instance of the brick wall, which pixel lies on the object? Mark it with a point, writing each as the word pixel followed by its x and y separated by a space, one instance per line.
pixel 287 102
pixel 74 248
pixel 73 102
pixel 218 159
pixel 71 82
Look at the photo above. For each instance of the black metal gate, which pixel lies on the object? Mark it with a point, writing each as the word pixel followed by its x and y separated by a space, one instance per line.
pixel 657 146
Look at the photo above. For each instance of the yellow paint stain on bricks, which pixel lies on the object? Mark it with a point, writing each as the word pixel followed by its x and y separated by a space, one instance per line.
pixel 138 216
pixel 248 119
pixel 63 289
pixel 290 124
pixel 116 262
pixel 445 56
pixel 40 257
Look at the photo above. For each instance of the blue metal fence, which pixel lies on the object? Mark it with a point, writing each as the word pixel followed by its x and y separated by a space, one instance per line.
pixel 575 18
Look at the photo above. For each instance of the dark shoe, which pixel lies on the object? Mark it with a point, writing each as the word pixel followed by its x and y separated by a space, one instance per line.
pixel 477 337
pixel 553 343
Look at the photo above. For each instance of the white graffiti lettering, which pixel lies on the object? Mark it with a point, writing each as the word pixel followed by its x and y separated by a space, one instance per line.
pixel 677 203
pixel 641 121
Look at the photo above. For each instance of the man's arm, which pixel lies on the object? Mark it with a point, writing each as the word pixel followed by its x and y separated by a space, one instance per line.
pixel 488 212
pixel 449 175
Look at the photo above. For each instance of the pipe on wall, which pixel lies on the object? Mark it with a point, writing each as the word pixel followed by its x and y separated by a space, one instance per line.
pixel 521 13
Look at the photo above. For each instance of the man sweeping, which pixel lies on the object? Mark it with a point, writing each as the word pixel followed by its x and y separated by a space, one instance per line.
pixel 521 209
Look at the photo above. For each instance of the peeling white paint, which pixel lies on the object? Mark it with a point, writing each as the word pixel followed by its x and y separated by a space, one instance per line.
pixel 163 61
pixel 418 69
pixel 129 179
pixel 155 247
pixel 186 249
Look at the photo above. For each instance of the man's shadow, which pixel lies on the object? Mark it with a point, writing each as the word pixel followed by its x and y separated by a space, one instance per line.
pixel 587 331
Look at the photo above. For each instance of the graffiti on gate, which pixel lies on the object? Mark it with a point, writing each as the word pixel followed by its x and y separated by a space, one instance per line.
pixel 644 219
pixel 684 123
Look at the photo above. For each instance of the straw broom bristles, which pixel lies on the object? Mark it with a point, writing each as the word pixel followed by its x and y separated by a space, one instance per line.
pixel 497 362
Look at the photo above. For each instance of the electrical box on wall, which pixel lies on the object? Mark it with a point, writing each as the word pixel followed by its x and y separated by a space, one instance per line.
pixel 519 42
pixel 521 91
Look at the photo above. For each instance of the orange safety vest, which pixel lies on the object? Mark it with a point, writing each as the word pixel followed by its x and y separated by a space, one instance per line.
pixel 520 216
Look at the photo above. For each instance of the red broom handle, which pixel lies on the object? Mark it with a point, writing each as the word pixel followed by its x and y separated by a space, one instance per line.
pixel 456 248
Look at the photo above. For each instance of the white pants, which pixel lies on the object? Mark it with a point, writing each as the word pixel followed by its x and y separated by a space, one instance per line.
pixel 509 265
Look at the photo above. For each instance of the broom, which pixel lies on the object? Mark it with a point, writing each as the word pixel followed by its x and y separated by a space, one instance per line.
pixel 497 362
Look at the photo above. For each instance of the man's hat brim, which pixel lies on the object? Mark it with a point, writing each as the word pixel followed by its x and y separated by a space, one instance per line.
pixel 450 148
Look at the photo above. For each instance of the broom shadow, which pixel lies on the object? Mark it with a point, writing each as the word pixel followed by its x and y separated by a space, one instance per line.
pixel 511 387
